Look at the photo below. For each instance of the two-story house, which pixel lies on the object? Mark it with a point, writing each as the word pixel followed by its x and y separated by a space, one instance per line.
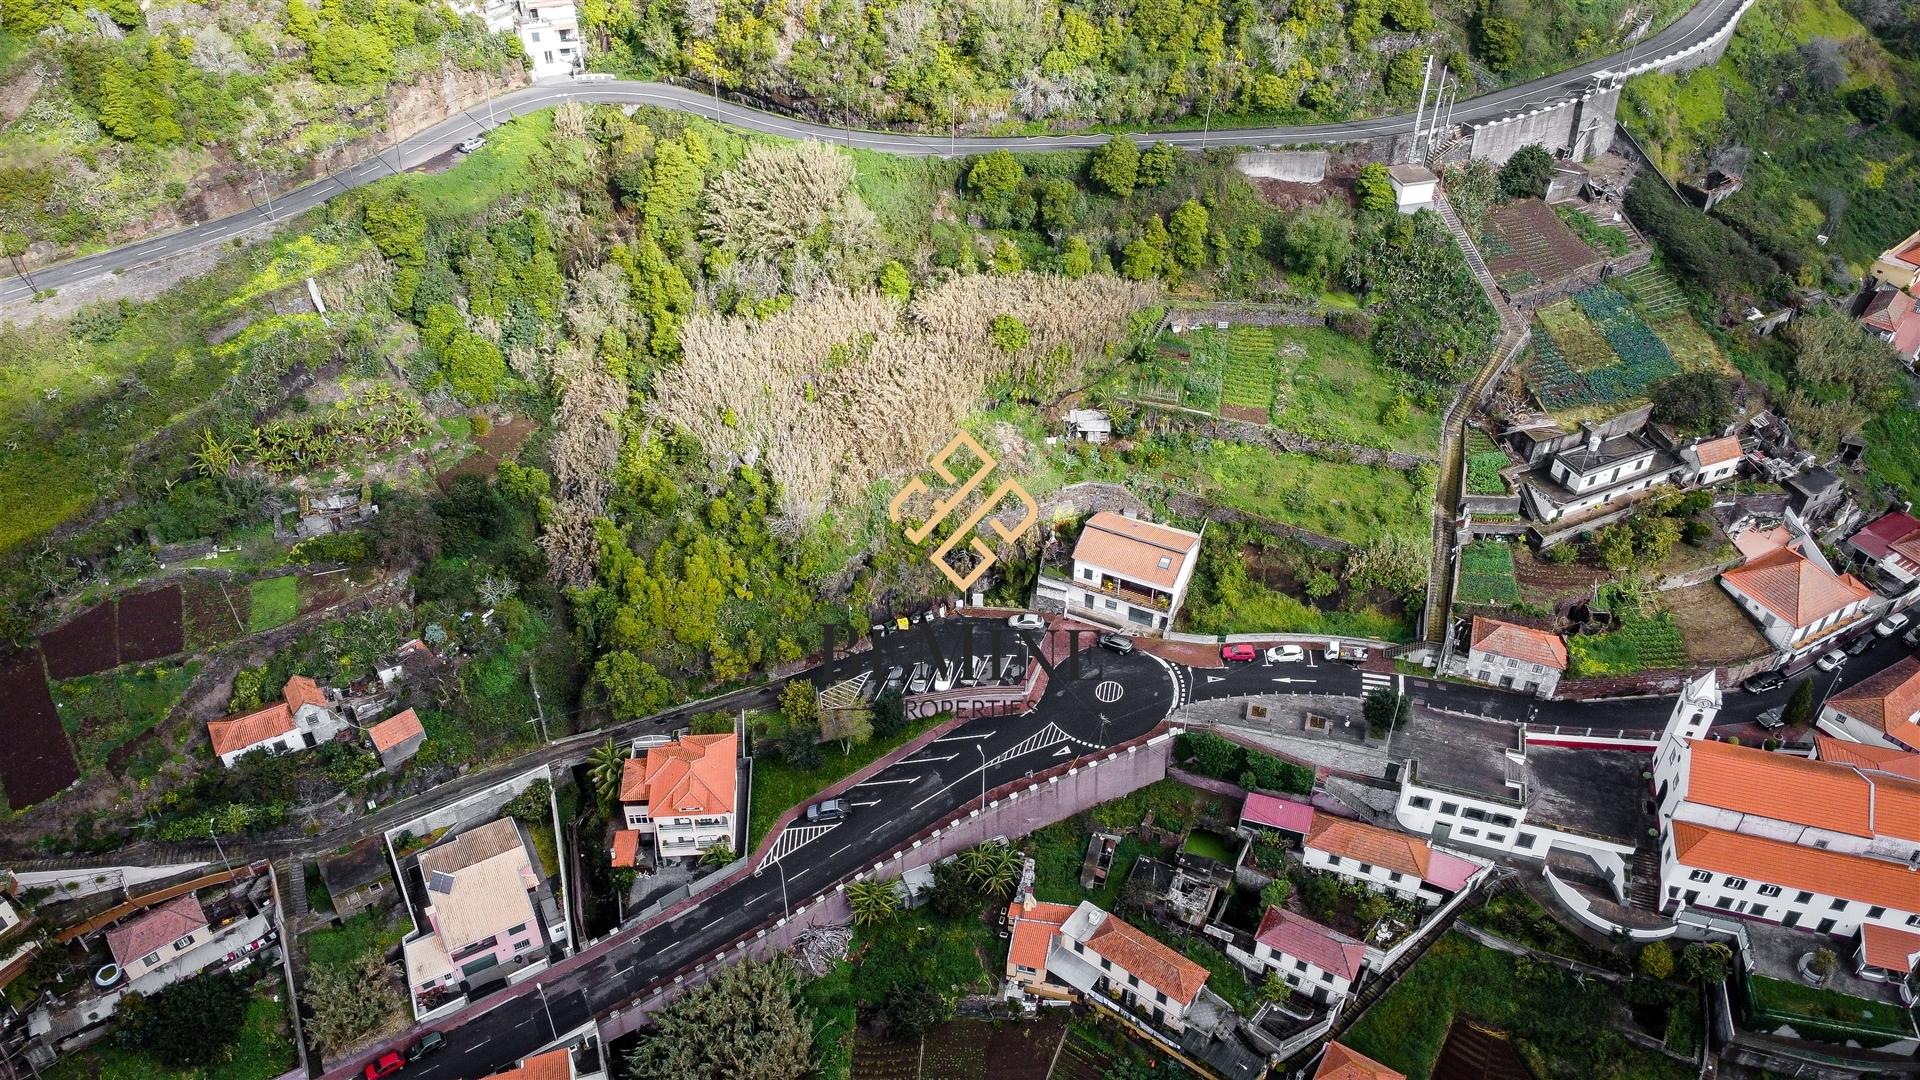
pixel 1881 710
pixel 1392 862
pixel 304 717
pixel 1892 543
pixel 482 921
pixel 1512 657
pixel 1317 961
pixel 1711 461
pixel 1129 573
pixel 1034 925
pixel 157 936
pixel 549 32
pixel 397 738
pixel 1099 953
pixel 1819 845
pixel 1599 469
pixel 1889 310
pixel 681 795
pixel 1799 602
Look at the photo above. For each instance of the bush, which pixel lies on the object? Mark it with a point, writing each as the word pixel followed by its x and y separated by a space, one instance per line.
pixel 1527 173
pixel 1222 759
pixel 1656 960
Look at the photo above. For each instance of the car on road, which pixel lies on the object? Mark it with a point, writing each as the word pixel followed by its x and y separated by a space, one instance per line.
pixel 1859 645
pixel 1027 620
pixel 385 1065
pixel 943 678
pixel 1772 718
pixel 827 810
pixel 468 146
pixel 1119 643
pixel 1912 638
pixel 1892 624
pixel 428 1043
pixel 1242 653
pixel 1763 682
pixel 1286 654
pixel 1831 661
pixel 1352 654
pixel 922 676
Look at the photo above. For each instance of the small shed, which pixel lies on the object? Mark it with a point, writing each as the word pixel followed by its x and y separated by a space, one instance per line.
pixel 357 878
pixel 1091 425
pixel 1415 187
pixel 397 738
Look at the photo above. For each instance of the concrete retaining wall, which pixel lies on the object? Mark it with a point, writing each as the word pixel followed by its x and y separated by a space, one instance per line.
pixel 1294 166
pixel 1578 127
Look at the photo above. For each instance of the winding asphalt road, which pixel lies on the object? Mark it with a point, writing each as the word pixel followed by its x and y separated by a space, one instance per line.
pixel 1699 23
pixel 1108 700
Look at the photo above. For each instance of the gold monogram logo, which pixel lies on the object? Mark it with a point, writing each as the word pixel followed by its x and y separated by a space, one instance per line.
pixel 942 507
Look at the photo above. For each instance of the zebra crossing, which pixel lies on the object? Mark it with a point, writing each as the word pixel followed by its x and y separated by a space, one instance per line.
pixel 1374 680
pixel 794 837
pixel 1050 735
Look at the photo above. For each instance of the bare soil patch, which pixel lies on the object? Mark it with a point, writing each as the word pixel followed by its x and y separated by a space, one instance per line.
pixel 36 761
pixel 1243 412
pixel 1526 244
pixel 319 591
pixel 206 617
pixel 149 624
pixel 87 643
pixel 1552 585
pixel 1715 629
pixel 1294 194
pixel 497 445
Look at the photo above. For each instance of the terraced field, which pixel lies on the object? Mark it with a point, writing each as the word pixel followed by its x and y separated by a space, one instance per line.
pixel 1486 574
pixel 1247 390
pixel 1576 336
pixel 1654 291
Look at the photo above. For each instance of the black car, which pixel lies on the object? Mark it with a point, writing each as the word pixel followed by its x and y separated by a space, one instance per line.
pixel 428 1043
pixel 1859 645
pixel 1119 643
pixel 1912 638
pixel 1763 682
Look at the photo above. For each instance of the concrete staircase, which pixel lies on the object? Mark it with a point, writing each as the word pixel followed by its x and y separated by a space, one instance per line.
pixel 293 879
pixel 1446 146
pixel 1643 881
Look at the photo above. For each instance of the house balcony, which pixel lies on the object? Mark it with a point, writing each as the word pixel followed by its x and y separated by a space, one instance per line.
pixel 1137 595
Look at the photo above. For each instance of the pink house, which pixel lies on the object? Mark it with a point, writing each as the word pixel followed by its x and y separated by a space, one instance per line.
pixel 482 924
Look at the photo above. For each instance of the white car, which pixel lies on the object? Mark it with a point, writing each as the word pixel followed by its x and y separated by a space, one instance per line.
pixel 1286 654
pixel 943 678
pixel 1027 620
pixel 1892 624
pixel 1832 660
pixel 468 146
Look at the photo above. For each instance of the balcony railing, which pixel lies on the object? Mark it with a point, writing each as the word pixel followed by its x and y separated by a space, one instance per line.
pixel 1139 597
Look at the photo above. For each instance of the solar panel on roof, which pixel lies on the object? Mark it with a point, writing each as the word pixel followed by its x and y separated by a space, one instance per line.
pixel 440 882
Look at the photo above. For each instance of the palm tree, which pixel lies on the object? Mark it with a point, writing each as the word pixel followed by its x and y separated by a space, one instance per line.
pixel 873 900
pixel 718 853
pixel 974 865
pixel 605 766
pixel 1002 870
pixel 215 455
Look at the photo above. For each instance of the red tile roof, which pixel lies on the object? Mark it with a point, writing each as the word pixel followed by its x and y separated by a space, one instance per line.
pixel 1794 587
pixel 1369 844
pixel 301 690
pixel 1890 949
pixel 1866 756
pixel 626 847
pixel 1850 877
pixel 1817 794
pixel 1158 966
pixel 1034 931
pixel 1717 451
pixel 694 774
pixel 250 729
pixel 395 730
pixel 1303 939
pixel 1523 643
pixel 552 1065
pixel 1888 308
pixel 1341 1063
pixel 1277 813
pixel 1876 537
pixel 1135 549
pixel 1887 701
pixel 159 926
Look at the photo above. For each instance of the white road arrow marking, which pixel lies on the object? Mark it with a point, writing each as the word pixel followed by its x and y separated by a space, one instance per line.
pixel 927 760
pixel 1216 678
pixel 875 802
pixel 1063 751
pixel 1293 680
pixel 880 783
pixel 964 738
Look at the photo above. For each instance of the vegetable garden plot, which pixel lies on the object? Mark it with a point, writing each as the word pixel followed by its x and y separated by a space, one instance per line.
pixel 1247 390
pixel 1693 348
pixel 36 761
pixel 1484 462
pixel 1552 379
pixel 1486 574
pixel 149 625
pixel 1655 292
pixel 1576 337
pixel 83 645
pixel 211 614
pixel 1644 358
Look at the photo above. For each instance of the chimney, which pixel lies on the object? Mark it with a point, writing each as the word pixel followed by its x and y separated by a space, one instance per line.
pixel 1593 437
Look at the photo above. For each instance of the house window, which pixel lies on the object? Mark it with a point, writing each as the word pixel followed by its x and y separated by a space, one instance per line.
pixel 1333 860
pixel 1132 979
pixel 183 943
pixel 1913 920
pixel 1393 876
pixel 1366 868
pixel 1876 911
pixel 1736 883
pixel 1112 604
pixel 522 946
pixel 1524 840
pixel 1420 802
pixel 1505 821
pixel 1086 573
pixel 1769 890
pixel 1449 809
pixel 1700 875
pixel 1105 964
pixel 1160 996
pixel 1838 905
pixel 150 959
pixel 1496 838
pixel 1469 832
pixel 1299 965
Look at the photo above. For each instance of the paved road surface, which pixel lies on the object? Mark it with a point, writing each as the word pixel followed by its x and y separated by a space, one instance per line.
pixel 1699 23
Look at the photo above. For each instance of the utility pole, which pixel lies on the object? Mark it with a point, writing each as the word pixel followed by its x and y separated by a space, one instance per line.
pixel 261 172
pixel 953 122
pixel 1206 125
pixel 541 713
pixel 1426 78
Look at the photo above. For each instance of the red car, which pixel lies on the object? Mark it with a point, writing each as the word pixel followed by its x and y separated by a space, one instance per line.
pixel 385 1065
pixel 1237 654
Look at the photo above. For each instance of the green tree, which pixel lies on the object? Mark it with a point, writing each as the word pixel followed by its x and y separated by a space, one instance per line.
pixel 634 688
pixel 1385 710
pixel 889 714
pixel 1694 402
pixel 1058 200
pixel 1276 892
pixel 301 23
pixel 474 368
pixel 800 705
pixel 718 853
pixel 894 281
pixel 347 1002
pixel 1373 189
pixel 1870 103
pixel 1527 173
pixel 349 55
pixel 1318 241
pixel 1147 257
pixel 748 1021
pixel 190 1023
pixel 1116 165
pixel 1010 334
pixel 1656 960
pixel 1187 226
pixel 873 900
pixel 1799 706
pixel 911 1009
pixel 1707 960
pixel 122 104
pixel 1500 42
pixel 993 178
pixel 1156 165
pixel 1007 259
pixel 532 805
pixel 605 766
pixel 1076 260
pixel 1404 73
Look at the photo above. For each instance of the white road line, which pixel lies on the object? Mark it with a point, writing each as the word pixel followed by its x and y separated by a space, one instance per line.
pixel 926 760
pixel 840 849
pixel 714 923
pixel 963 738
pixel 883 783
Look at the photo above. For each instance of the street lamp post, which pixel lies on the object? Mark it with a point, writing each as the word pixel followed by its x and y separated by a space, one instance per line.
pixel 785 905
pixel 983 774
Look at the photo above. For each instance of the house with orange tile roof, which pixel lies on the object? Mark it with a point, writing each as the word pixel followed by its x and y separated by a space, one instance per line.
pixel 1342 1063
pixel 397 738
pixel 1882 710
pixel 682 795
pixel 1317 962
pixel 1034 928
pixel 583 1059
pixel 1512 657
pixel 1126 572
pixel 1101 954
pixel 1866 756
pixel 1799 602
pixel 1710 461
pixel 304 717
pixel 1388 860
pixel 157 935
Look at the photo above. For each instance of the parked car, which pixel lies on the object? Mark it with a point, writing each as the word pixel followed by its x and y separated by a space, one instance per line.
pixel 943 679
pixel 1859 645
pixel 428 1043
pixel 1892 624
pixel 1286 654
pixel 1912 638
pixel 468 146
pixel 1763 682
pixel 1119 643
pixel 1772 718
pixel 1027 620
pixel 977 669
pixel 896 678
pixel 827 810
pixel 922 676
pixel 1238 654
pixel 385 1065
pixel 1831 661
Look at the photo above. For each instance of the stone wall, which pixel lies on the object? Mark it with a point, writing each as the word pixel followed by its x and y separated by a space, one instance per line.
pixel 1294 166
